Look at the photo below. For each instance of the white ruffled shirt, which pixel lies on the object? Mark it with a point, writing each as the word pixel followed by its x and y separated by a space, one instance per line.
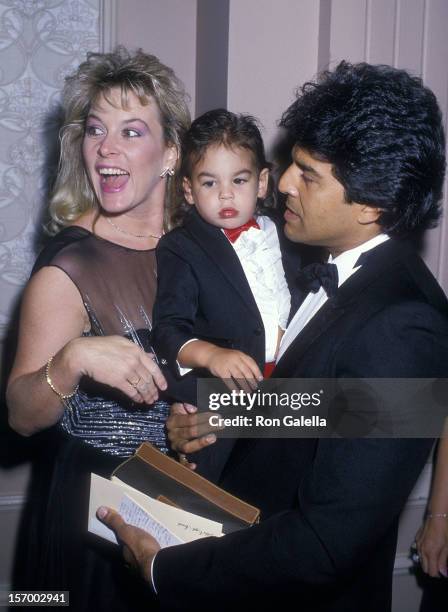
pixel 259 253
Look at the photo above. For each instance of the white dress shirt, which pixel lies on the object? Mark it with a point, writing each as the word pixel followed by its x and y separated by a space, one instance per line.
pixel 313 302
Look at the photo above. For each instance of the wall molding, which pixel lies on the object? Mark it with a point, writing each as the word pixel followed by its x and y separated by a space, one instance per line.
pixel 8 502
pixel 5 588
pixel 417 502
pixel 212 55
pixel 323 52
pixel 108 25
pixel 402 565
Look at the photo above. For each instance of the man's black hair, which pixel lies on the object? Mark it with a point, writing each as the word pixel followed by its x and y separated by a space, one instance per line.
pixel 381 130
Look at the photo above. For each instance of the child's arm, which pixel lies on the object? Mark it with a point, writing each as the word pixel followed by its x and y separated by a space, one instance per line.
pixel 224 363
pixel 176 304
pixel 174 315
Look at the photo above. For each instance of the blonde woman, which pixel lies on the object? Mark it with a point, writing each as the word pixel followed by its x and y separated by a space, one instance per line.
pixel 84 366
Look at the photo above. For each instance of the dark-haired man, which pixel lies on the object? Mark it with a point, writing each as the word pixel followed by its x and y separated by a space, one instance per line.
pixel 367 169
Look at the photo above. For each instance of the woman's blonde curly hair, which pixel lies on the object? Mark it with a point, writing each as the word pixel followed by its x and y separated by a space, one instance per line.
pixel 138 73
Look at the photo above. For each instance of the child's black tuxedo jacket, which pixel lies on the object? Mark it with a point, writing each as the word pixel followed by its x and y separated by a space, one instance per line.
pixel 203 293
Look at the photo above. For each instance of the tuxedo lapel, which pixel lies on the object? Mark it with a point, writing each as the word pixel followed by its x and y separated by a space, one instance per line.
pixel 318 325
pixel 214 243
pixel 375 262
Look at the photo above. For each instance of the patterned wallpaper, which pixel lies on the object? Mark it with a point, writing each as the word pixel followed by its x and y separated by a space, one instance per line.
pixel 40 42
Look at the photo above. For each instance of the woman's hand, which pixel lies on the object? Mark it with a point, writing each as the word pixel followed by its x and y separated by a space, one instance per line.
pixel 53 321
pixel 117 362
pixel 432 546
pixel 432 537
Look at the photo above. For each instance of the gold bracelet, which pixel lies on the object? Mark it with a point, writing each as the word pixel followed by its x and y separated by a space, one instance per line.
pixel 61 396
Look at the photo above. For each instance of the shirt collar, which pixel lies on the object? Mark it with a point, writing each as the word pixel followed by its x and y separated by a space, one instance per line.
pixel 346 261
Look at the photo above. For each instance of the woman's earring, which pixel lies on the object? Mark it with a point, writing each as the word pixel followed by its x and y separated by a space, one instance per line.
pixel 167 172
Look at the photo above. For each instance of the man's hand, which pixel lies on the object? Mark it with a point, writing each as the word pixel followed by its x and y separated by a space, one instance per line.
pixel 139 548
pixel 188 430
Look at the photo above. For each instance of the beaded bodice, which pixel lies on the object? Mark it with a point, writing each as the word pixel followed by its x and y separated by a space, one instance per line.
pixel 117 286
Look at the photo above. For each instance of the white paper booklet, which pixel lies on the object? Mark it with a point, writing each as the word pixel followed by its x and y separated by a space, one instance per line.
pixel 167 524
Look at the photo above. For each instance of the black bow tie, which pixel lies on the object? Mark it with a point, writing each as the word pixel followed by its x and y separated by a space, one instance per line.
pixel 317 275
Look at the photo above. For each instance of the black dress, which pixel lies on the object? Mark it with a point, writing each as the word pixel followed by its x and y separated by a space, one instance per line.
pixel 100 428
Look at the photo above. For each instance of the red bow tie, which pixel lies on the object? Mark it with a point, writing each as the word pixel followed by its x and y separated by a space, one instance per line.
pixel 234 234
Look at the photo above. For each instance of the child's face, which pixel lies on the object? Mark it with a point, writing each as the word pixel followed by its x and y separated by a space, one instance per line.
pixel 225 185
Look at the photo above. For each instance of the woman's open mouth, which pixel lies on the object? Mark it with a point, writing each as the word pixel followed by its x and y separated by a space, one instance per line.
pixel 113 179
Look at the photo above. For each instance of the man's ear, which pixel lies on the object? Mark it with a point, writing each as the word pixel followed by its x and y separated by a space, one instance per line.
pixel 368 214
pixel 186 184
pixel 263 181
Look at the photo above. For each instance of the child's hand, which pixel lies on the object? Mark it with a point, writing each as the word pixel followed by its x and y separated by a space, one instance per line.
pixel 229 364
pixel 237 369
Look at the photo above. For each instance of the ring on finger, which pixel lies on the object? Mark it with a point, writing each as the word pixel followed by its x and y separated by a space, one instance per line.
pixel 415 556
pixel 143 384
pixel 135 382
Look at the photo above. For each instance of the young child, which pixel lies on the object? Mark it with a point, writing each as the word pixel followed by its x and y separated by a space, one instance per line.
pixel 222 299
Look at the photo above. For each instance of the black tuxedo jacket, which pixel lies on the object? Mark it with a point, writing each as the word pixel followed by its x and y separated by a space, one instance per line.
pixel 202 292
pixel 331 506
